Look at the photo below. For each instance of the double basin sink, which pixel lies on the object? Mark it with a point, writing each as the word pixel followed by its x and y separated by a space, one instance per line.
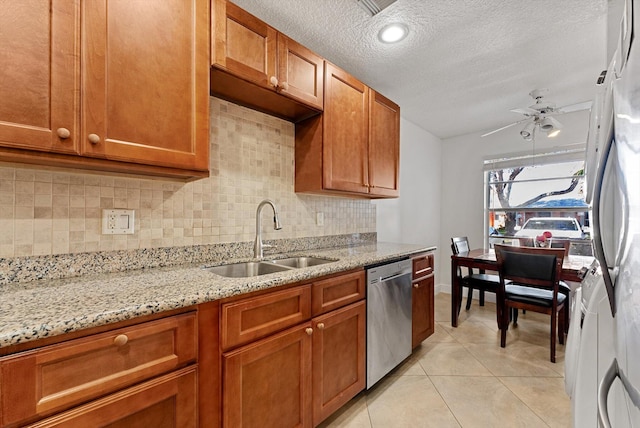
pixel 247 269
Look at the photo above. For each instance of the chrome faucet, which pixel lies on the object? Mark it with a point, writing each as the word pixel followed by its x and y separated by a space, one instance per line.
pixel 258 245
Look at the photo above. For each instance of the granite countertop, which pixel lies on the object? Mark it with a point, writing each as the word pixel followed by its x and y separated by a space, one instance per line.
pixel 39 309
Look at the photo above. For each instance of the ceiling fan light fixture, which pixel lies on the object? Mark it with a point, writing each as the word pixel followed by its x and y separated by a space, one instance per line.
pixel 553 133
pixel 548 124
pixel 527 131
pixel 393 33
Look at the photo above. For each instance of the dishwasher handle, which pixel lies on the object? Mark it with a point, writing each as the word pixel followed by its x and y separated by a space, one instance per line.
pixel 394 276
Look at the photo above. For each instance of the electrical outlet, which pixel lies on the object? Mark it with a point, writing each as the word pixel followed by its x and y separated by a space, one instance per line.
pixel 117 222
pixel 320 219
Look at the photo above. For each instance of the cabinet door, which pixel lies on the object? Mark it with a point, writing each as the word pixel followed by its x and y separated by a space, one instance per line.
pixel 268 383
pixel 39 75
pixel 301 72
pixel 242 44
pixel 422 310
pixel 145 82
pixel 339 347
pixel 384 145
pixel 167 402
pixel 346 111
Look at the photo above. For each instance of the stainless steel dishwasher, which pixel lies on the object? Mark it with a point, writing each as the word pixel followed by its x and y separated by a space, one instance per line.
pixel 388 318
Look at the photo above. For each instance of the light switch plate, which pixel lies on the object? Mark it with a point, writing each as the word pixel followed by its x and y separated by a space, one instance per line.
pixel 117 222
pixel 320 219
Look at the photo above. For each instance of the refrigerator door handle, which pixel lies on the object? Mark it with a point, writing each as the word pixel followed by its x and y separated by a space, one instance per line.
pixel 598 247
pixel 603 392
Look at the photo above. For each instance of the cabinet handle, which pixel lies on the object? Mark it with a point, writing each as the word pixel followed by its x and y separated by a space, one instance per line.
pixel 120 340
pixel 309 331
pixel 321 326
pixel 274 81
pixel 94 138
pixel 63 133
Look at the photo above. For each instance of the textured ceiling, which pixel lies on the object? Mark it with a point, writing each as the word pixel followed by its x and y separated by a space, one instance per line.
pixel 465 63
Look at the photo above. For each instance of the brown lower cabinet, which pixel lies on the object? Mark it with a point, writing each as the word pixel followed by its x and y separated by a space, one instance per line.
pixel 299 376
pixel 165 402
pixel 422 299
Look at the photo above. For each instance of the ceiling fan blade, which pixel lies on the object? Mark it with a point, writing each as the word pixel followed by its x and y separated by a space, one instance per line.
pixel 504 127
pixel 585 105
pixel 526 111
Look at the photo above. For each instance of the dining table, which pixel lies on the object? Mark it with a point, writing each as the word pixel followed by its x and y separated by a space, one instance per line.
pixel 573 267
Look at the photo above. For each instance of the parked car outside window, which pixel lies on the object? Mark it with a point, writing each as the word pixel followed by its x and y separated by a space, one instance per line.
pixel 560 227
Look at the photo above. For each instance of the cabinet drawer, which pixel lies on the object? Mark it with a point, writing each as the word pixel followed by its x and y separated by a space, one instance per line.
pixel 168 401
pixel 422 265
pixel 53 378
pixel 333 293
pixel 253 318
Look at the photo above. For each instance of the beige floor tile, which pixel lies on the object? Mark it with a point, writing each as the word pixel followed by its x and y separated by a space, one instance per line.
pixel 545 396
pixel 516 359
pixel 479 402
pixel 440 334
pixel 411 366
pixel 408 401
pixel 469 331
pixel 352 415
pixel 450 359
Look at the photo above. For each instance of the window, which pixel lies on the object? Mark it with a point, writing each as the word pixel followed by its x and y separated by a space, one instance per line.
pixel 529 194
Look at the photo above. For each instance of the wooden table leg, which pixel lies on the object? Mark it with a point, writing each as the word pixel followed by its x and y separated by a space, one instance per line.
pixel 455 293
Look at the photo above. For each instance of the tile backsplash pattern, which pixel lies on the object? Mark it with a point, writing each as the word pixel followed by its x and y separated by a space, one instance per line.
pixel 45 211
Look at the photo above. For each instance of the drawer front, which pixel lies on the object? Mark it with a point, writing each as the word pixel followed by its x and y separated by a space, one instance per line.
pixel 422 265
pixel 333 293
pixel 253 318
pixel 57 377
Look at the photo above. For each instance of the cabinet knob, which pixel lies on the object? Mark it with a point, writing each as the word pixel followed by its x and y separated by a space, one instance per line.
pixel 94 138
pixel 309 331
pixel 63 133
pixel 320 326
pixel 416 286
pixel 120 340
pixel 284 86
pixel 274 81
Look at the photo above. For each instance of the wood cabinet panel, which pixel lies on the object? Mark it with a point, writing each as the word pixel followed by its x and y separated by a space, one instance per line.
pixel 384 145
pixel 345 132
pixel 243 44
pixel 423 315
pixel 268 383
pixel 39 75
pixel 339 347
pixel 300 72
pixel 257 317
pixel 333 293
pixel 57 377
pixel 145 82
pixel 165 402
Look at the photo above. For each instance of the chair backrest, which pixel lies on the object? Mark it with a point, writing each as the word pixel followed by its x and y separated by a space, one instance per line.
pixel 526 242
pixel 535 267
pixel 561 243
pixel 459 245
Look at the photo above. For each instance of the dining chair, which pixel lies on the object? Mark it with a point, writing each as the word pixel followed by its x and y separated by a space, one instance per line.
pixel 479 281
pixel 535 281
pixel 564 287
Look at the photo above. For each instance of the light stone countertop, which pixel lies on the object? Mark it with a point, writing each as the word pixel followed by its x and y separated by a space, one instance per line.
pixel 39 309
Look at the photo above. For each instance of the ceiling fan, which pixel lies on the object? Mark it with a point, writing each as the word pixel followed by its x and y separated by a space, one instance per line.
pixel 540 115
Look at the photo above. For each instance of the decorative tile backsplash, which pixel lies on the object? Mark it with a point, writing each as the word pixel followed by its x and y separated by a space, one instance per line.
pixel 46 211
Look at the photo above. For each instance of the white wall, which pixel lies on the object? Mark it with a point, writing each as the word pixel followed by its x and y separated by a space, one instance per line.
pixel 461 206
pixel 414 217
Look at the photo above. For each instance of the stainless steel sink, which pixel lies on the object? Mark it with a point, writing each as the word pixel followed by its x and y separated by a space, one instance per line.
pixel 246 269
pixel 301 262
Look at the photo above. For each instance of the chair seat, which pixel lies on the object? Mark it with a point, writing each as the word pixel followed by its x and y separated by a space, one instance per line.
pixel 531 295
pixel 564 288
pixel 482 280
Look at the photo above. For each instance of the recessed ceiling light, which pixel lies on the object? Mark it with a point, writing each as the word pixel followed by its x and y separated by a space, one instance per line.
pixel 393 33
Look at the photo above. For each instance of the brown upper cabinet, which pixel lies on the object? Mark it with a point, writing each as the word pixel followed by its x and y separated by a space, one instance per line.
pixel 137 104
pixel 256 66
pixel 353 148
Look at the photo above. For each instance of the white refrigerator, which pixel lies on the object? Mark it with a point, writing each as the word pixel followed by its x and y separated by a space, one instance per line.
pixel 602 360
